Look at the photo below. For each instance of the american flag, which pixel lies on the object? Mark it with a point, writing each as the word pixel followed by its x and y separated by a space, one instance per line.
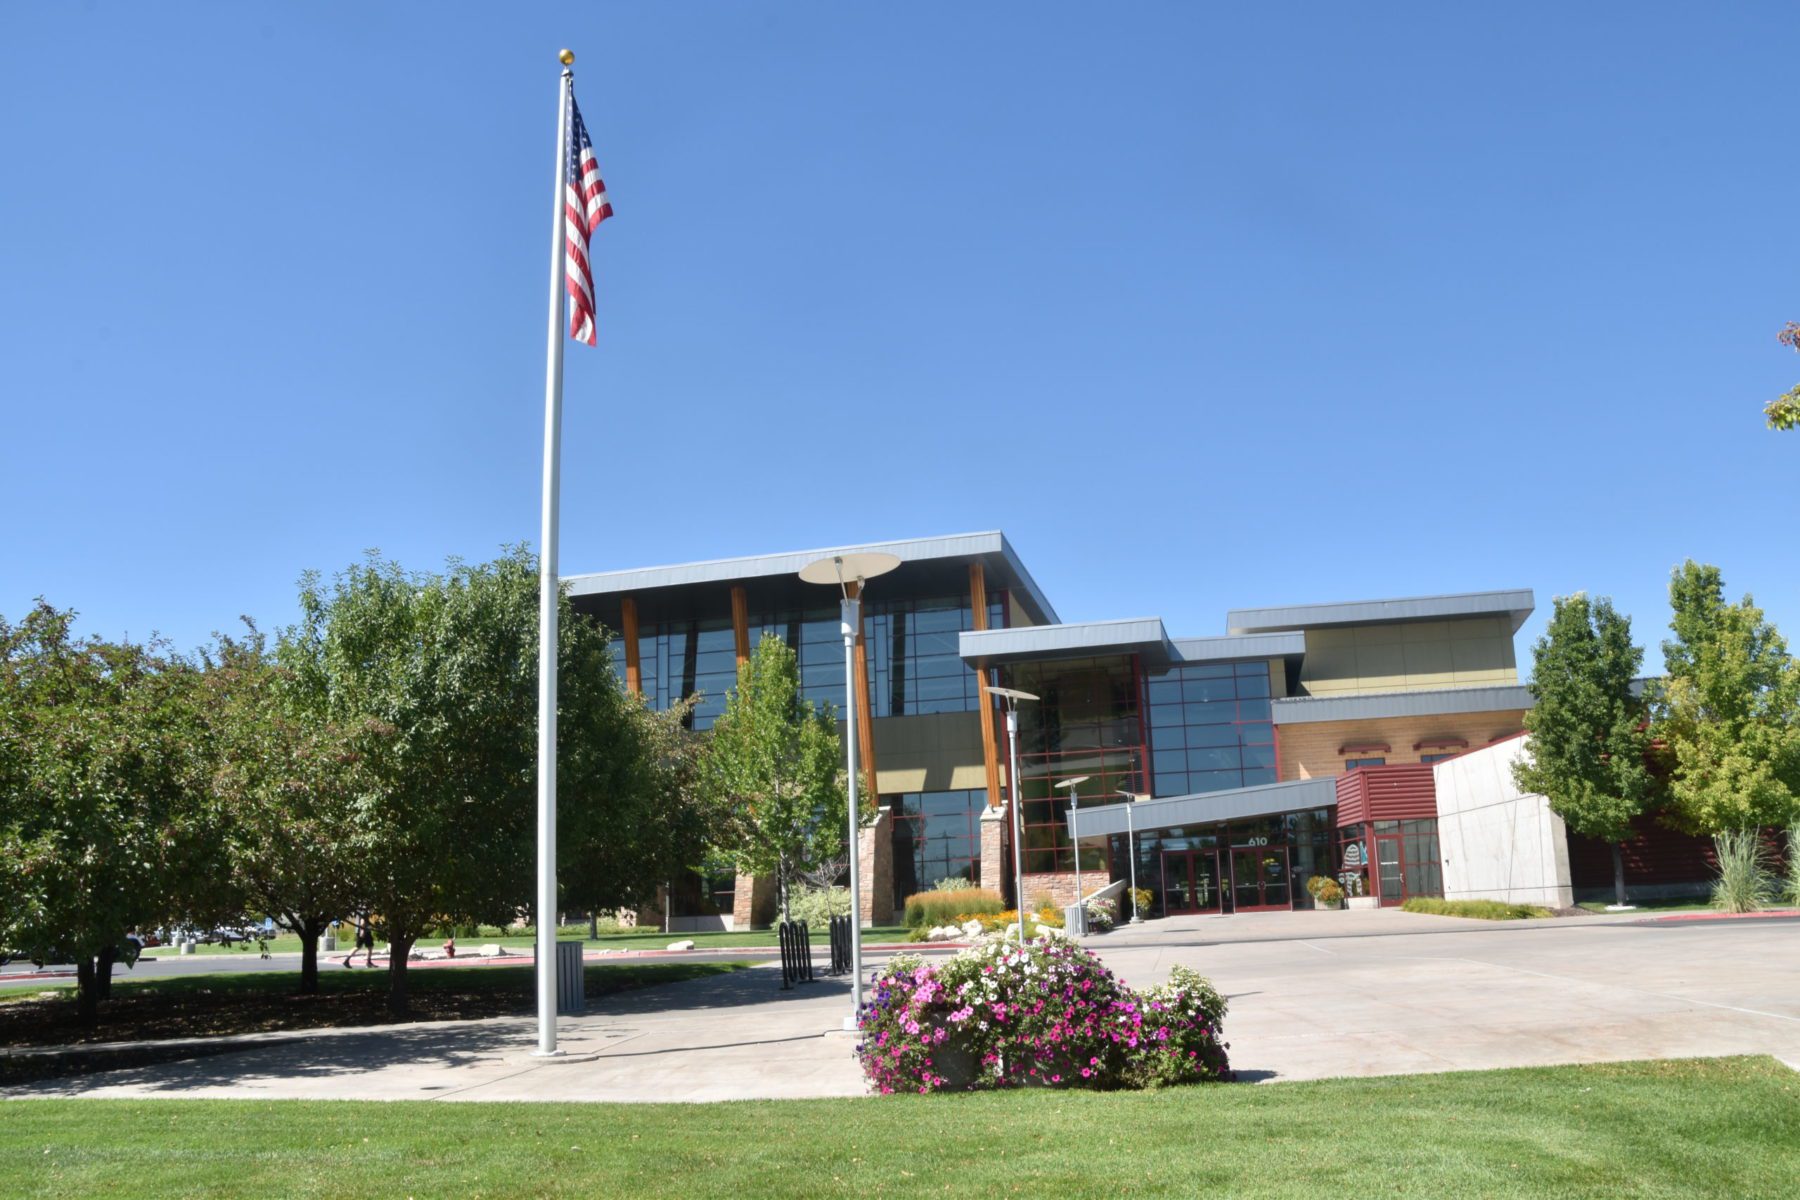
pixel 584 198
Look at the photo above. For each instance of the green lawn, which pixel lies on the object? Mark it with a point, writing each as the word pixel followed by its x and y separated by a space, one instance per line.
pixel 1726 1127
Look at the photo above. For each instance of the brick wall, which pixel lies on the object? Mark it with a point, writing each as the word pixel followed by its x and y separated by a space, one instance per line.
pixel 1061 885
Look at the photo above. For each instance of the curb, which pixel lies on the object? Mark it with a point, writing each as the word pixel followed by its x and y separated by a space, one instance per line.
pixel 1763 915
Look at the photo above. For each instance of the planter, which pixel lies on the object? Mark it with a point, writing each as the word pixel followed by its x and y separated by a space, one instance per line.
pixel 1364 902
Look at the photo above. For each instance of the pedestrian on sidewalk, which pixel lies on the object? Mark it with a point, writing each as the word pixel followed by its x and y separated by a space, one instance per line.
pixel 365 941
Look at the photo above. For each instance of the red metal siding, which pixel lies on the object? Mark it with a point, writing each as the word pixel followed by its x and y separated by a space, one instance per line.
pixel 1654 855
pixel 1398 792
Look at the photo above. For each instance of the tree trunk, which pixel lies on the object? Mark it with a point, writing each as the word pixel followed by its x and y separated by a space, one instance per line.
pixel 593 926
pixel 87 1001
pixel 399 948
pixel 1618 874
pixel 103 965
pixel 311 929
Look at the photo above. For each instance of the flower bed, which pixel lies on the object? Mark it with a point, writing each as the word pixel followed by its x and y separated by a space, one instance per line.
pixel 1045 1014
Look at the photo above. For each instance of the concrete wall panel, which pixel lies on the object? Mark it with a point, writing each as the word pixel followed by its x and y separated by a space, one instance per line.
pixel 1499 843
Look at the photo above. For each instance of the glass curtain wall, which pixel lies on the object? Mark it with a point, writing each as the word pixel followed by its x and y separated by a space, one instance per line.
pixel 911 644
pixel 937 835
pixel 1210 728
pixel 1086 722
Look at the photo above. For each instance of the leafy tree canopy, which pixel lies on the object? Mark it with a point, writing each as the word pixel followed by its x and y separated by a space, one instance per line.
pixel 103 828
pixel 1588 741
pixel 1729 710
pixel 1783 412
pixel 772 770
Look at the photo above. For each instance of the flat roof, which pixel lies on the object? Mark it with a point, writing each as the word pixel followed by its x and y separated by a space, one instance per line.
pixel 1515 603
pixel 1206 808
pixel 1436 702
pixel 992 547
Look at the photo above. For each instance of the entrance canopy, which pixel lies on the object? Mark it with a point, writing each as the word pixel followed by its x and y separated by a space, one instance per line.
pixel 1206 808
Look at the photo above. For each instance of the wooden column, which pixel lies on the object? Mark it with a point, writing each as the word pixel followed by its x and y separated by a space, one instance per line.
pixel 990 750
pixel 740 625
pixel 634 671
pixel 865 723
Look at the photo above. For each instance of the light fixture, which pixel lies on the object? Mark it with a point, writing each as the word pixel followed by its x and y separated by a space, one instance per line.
pixel 844 570
pixel 1012 697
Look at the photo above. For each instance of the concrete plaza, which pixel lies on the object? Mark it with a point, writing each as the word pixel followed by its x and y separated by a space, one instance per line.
pixel 1312 995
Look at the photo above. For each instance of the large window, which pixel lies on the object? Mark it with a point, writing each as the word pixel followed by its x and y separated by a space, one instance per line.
pixel 1085 725
pixel 937 835
pixel 1210 728
pixel 914 666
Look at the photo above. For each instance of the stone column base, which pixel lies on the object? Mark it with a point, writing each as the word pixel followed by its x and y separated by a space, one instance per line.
pixel 875 869
pixel 996 865
pixel 753 902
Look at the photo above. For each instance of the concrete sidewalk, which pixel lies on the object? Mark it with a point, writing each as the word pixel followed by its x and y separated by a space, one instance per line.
pixel 1312 995
pixel 728 1037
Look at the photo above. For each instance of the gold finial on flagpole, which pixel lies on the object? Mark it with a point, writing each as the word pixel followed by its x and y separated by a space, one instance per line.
pixel 567 57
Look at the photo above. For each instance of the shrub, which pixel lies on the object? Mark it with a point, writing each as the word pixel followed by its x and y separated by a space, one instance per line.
pixel 1102 914
pixel 1793 864
pixel 925 909
pixel 1745 881
pixel 952 883
pixel 1047 1013
pixel 1326 890
pixel 816 906
pixel 1141 900
pixel 1486 910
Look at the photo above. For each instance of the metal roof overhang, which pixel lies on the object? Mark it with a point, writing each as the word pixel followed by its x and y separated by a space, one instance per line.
pixel 1084 639
pixel 1301 710
pixel 925 563
pixel 1515 603
pixel 1143 636
pixel 1207 808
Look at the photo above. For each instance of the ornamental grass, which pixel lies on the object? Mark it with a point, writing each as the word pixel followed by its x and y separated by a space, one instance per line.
pixel 1045 1014
pixel 927 909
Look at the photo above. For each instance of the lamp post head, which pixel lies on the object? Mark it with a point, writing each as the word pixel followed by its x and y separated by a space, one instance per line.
pixel 1010 695
pixel 845 569
pixel 1074 783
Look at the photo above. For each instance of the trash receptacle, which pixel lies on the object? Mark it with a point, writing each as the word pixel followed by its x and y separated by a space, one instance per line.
pixel 571 983
pixel 328 943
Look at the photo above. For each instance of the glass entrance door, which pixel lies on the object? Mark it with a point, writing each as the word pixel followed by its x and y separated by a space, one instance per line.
pixel 1259 878
pixel 1190 882
pixel 1390 877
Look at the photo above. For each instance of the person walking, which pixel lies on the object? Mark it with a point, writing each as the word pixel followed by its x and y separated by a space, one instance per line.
pixel 365 941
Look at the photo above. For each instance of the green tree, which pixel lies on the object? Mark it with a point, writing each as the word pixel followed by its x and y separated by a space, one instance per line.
pixel 1588 744
pixel 446 665
pixel 1728 711
pixel 1783 412
pixel 286 782
pixel 103 821
pixel 772 770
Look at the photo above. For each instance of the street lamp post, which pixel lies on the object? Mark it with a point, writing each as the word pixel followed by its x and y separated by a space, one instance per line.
pixel 1075 837
pixel 1131 798
pixel 1012 696
pixel 843 570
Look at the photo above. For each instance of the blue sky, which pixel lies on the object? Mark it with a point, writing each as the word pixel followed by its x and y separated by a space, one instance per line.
pixel 1204 306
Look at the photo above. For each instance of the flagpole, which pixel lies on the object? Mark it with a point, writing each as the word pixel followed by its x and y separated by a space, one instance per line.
pixel 548 594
